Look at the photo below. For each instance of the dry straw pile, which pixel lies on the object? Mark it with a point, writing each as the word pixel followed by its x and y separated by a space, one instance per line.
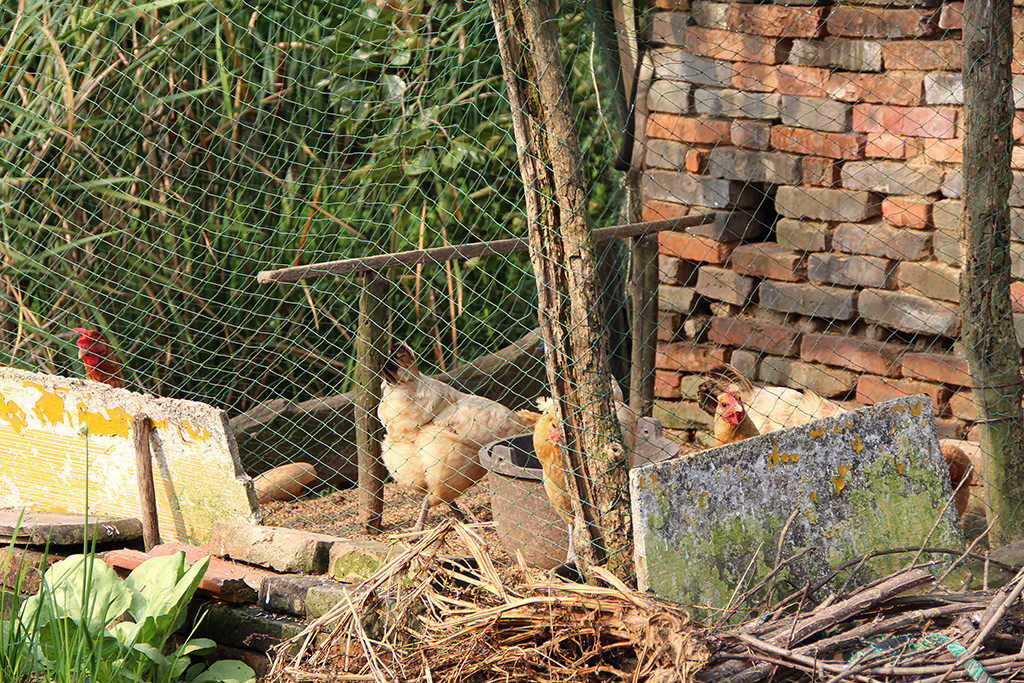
pixel 428 617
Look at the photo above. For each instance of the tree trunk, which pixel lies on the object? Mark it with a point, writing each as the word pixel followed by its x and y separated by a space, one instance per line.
pixel 986 313
pixel 371 340
pixel 562 252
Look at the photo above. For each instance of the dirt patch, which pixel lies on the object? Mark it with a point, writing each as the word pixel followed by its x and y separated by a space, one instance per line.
pixel 337 514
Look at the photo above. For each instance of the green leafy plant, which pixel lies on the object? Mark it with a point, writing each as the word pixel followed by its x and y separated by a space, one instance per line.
pixel 72 625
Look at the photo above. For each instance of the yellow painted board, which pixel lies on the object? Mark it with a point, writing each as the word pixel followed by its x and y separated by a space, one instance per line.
pixel 66 446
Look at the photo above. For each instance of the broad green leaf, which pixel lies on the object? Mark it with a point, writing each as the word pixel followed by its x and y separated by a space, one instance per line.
pixel 226 671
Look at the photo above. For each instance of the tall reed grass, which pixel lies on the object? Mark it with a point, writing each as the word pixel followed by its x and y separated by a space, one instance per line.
pixel 154 156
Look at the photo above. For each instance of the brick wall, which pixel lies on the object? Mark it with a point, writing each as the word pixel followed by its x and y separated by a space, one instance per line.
pixel 825 141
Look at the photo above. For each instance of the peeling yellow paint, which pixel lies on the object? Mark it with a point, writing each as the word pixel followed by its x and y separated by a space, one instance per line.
pixel 114 423
pixel 49 407
pixel 12 413
pixel 898 408
pixel 840 481
pixel 773 457
pixel 899 468
pixel 915 409
pixel 815 433
pixel 190 432
pixel 858 445
pixel 837 429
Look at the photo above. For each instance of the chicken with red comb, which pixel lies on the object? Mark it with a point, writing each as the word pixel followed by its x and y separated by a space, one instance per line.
pixel 95 351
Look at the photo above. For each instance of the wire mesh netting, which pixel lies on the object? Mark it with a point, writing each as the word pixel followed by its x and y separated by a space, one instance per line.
pixel 157 156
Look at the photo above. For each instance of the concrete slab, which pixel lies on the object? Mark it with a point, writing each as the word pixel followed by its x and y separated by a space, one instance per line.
pixel 66 443
pixel 40 528
pixel 868 479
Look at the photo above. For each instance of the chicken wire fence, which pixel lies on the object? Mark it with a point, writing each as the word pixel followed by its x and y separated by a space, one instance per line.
pixel 157 156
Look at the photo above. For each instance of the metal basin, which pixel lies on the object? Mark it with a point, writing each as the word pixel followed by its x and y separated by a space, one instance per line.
pixel 524 518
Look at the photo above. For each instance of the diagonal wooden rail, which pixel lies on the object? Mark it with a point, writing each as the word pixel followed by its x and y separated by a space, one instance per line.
pixel 462 251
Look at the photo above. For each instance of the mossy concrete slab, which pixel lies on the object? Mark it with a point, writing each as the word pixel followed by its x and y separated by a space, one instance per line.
pixel 708 526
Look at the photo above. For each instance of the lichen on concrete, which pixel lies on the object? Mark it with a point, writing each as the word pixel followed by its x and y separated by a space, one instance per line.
pixel 707 527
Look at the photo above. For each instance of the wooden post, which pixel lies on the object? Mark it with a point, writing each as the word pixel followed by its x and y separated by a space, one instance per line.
pixel 371 341
pixel 141 426
pixel 986 310
pixel 563 255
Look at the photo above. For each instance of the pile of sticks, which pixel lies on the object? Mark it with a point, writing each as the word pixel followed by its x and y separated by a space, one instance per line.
pixel 897 628
pixel 426 616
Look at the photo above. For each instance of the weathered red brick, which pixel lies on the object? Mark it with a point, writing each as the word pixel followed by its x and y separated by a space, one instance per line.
pixel 866 21
pixel 922 55
pixel 871 390
pixel 821 172
pixel 885 146
pixel 686 357
pixel 939 122
pixel 961 405
pixel 809 81
pixel 907 212
pixel 803 81
pixel 944 369
pixel 856 354
pixel 1017 296
pixel 696 160
pixel 754 334
pixel 951 17
pixel 780 21
pixel 693 248
pixel 768 259
pixel 755 77
pixel 737 47
pixel 687 129
pixel 950 428
pixel 655 210
pixel 1017 129
pixel 666 384
pixel 817 143
pixel 938 151
pixel 668 326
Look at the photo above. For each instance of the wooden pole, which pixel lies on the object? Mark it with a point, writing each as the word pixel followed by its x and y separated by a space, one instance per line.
pixel 643 284
pixel 141 426
pixel 562 250
pixel 988 336
pixel 371 340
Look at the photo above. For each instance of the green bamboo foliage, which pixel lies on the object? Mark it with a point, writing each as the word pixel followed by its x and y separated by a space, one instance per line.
pixel 155 156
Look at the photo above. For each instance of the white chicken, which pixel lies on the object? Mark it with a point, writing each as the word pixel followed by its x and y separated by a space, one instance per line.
pixel 434 432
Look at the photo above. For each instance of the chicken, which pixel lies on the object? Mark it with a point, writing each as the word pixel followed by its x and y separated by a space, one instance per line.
pixel 95 351
pixel 742 410
pixel 732 421
pixel 434 432
pixel 546 438
pixel 961 476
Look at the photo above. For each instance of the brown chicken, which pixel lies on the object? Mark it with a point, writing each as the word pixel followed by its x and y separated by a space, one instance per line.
pixel 961 476
pixel 732 422
pixel 95 351
pixel 547 446
pixel 434 432
pixel 748 410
